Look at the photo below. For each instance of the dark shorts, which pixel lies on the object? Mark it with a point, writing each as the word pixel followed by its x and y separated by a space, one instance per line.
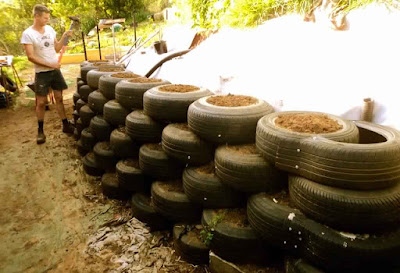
pixel 45 80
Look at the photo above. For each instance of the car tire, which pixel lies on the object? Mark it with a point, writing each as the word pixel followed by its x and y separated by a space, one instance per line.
pixel 142 128
pixel 93 76
pixel 185 146
pixel 203 187
pixel 173 204
pixel 100 128
pixel 107 83
pixel 242 168
pixel 122 144
pixel 188 244
pixel 114 113
pixel 221 124
pixel 90 166
pixel 96 102
pixel 111 189
pixel 130 93
pixel 170 106
pixel 86 115
pixel 104 155
pixel 130 176
pixel 143 210
pixel 345 209
pixel 154 162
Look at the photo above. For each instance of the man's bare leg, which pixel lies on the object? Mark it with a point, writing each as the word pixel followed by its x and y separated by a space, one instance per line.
pixel 40 109
pixel 67 127
pixel 59 104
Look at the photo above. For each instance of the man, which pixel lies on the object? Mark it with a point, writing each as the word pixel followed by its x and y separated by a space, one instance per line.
pixel 41 46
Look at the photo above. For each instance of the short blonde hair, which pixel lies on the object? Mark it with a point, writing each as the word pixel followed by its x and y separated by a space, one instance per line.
pixel 39 9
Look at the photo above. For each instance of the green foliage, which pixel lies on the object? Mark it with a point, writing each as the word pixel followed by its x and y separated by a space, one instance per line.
pixel 207 234
pixel 208 14
pixel 353 4
pixel 16 17
pixel 249 13
pixel 20 62
pixel 123 38
pixel 154 6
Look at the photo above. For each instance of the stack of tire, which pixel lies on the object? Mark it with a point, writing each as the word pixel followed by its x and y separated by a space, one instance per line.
pixel 4 99
pixel 343 209
pixel 215 170
pixel 87 83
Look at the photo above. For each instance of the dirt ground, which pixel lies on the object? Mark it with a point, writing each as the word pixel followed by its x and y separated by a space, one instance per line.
pixel 52 212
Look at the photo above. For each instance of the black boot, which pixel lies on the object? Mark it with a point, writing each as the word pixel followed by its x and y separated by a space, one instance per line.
pixel 67 127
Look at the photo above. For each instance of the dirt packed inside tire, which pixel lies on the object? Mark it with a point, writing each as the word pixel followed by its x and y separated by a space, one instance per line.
pixel 243 149
pixel 121 129
pixel 173 186
pixel 207 169
pixel 232 100
pixel 282 198
pixel 132 163
pixel 181 126
pixel 101 64
pixel 179 88
pixel 194 234
pixel 125 75
pixel 144 80
pixel 155 146
pixel 115 69
pixel 236 217
pixel 90 156
pixel 308 123
pixel 105 146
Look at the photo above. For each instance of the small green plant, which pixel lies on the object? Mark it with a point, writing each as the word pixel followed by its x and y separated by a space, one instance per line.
pixel 207 234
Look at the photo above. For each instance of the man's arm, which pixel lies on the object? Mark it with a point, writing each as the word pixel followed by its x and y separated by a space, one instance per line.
pixel 32 58
pixel 59 44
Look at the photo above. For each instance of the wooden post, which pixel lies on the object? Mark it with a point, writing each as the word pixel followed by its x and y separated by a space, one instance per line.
pixel 368 110
pixel 98 39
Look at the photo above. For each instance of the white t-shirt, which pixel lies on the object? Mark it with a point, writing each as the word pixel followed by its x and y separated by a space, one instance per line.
pixel 43 46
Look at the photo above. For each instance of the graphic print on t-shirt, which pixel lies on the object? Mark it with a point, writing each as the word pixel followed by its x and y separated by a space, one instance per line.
pixel 45 42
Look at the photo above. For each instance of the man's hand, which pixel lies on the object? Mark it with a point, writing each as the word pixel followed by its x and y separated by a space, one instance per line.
pixel 54 65
pixel 59 44
pixel 68 33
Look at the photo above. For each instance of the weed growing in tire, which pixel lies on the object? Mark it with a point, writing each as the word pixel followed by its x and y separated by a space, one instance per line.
pixel 206 235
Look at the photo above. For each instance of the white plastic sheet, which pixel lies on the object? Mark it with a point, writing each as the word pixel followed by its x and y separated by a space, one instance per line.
pixel 297 65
